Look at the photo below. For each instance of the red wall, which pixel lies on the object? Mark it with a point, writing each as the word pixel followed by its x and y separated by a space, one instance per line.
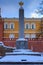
pixel 9 42
pixel 35 45
pixel 1 29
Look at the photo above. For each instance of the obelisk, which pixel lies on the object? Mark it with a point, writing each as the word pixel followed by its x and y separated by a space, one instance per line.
pixel 21 42
pixel 0 12
pixel 21 20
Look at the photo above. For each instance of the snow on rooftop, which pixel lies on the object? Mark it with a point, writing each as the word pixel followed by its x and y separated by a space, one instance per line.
pixel 1 42
pixel 19 58
pixel 9 47
pixel 21 39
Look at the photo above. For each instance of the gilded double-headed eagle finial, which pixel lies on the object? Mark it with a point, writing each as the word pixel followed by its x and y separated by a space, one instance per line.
pixel 21 3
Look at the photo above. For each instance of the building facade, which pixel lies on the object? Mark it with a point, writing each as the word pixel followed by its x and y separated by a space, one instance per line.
pixel 32 28
pixel 33 31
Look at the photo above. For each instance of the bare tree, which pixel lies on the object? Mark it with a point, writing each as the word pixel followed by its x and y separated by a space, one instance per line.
pixel 40 8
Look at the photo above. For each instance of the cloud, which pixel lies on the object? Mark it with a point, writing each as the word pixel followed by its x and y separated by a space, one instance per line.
pixel 10 8
pixel 34 15
pixel 41 16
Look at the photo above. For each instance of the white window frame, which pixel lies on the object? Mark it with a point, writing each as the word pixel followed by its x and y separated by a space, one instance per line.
pixel 28 25
pixel 13 25
pixel 34 25
pixel 5 25
pixel 11 36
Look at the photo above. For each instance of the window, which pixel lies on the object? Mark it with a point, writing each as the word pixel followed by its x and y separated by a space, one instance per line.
pixel 5 25
pixel 11 36
pixel 33 26
pixel 27 26
pixel 27 35
pixel 33 35
pixel 11 25
pixel 30 35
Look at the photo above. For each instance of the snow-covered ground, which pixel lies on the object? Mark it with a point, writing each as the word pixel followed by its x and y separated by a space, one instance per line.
pixel 23 51
pixel 16 56
pixel 21 58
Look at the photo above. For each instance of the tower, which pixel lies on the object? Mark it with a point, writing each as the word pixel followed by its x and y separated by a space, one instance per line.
pixel 21 43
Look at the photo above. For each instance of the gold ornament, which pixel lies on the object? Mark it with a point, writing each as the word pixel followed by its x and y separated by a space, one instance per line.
pixel 21 3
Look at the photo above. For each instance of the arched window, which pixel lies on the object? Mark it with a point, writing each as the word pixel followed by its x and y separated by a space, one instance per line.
pixel 33 26
pixel 11 36
pixel 11 25
pixel 33 35
pixel 27 26
pixel 27 35
pixel 5 25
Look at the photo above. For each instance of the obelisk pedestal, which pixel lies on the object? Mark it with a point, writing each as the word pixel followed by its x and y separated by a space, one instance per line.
pixel 21 43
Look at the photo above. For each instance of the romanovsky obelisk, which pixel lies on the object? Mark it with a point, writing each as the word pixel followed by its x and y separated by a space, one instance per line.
pixel 0 12
pixel 21 42
pixel 21 20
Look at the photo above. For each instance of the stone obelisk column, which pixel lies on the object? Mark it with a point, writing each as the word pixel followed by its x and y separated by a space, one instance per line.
pixel 21 21
pixel 21 43
pixel 0 12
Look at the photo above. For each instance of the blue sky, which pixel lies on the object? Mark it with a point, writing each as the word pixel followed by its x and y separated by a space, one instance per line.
pixel 10 8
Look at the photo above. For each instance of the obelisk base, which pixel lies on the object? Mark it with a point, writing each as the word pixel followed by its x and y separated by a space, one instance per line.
pixel 21 43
